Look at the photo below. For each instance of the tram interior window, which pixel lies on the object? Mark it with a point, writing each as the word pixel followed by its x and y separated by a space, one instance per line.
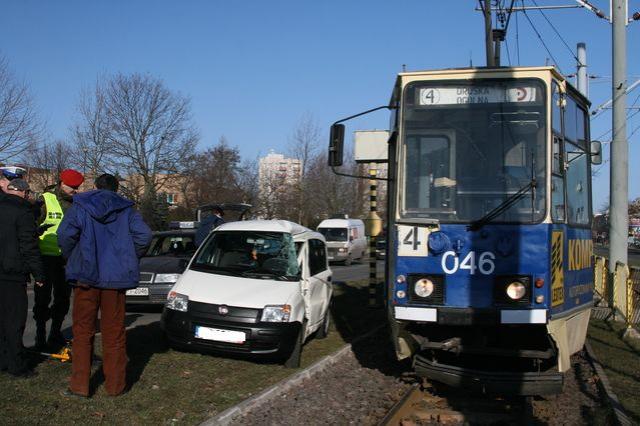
pixel 577 185
pixel 466 155
pixel 428 172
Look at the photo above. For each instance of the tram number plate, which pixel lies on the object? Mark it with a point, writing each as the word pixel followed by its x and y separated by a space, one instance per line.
pixel 412 241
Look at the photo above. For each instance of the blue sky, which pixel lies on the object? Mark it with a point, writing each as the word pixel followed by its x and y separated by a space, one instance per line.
pixel 254 68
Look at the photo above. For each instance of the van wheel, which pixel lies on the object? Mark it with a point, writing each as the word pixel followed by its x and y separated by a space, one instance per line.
pixel 347 261
pixel 293 361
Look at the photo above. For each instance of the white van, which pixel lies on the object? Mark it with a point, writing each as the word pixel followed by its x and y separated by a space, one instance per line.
pixel 258 287
pixel 345 239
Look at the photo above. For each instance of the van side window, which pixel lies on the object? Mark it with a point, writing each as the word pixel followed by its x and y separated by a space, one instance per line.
pixel 317 257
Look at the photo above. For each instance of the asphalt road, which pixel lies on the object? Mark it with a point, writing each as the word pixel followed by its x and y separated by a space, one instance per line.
pixel 632 255
pixel 142 314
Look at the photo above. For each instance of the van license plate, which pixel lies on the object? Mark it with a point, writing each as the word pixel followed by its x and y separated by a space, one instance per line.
pixel 140 291
pixel 219 335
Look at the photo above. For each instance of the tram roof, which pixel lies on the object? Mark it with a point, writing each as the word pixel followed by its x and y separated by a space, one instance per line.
pixel 483 71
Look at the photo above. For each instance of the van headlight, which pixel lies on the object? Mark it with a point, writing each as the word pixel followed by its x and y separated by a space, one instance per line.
pixel 423 287
pixel 177 301
pixel 166 278
pixel 276 313
pixel 342 250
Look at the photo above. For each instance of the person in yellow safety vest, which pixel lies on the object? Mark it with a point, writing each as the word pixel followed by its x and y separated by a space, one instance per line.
pixel 55 203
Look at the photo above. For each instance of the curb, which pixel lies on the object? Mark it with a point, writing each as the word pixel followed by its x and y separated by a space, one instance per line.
pixel 604 385
pixel 229 415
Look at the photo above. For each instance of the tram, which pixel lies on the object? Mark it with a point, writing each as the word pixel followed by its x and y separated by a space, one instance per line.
pixel 489 280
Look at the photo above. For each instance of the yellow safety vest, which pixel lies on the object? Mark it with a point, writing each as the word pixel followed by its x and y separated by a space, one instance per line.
pixel 49 239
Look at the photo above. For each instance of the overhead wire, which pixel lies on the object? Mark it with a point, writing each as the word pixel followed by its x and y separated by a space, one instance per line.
pixel 557 33
pixel 526 15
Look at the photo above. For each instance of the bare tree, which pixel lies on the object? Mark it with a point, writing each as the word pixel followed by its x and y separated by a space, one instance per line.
pixel 46 162
pixel 150 131
pixel 19 126
pixel 216 175
pixel 91 133
pixel 304 145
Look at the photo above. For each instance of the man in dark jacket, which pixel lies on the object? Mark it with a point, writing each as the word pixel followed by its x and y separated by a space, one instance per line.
pixel 102 237
pixel 20 257
pixel 208 224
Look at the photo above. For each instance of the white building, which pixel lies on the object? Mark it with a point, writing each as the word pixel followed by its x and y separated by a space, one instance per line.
pixel 276 168
pixel 277 179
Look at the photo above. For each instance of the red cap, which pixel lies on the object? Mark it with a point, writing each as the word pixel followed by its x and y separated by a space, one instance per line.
pixel 71 178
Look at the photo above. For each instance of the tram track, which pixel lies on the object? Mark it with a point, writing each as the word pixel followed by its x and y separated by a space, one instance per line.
pixel 427 405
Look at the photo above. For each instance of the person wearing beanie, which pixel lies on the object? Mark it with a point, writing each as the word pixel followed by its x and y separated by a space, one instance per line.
pixel 54 204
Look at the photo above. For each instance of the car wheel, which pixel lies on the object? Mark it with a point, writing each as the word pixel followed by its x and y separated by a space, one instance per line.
pixel 323 331
pixel 347 261
pixel 293 361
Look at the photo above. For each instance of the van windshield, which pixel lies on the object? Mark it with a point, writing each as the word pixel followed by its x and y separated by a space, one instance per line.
pixel 251 254
pixel 334 234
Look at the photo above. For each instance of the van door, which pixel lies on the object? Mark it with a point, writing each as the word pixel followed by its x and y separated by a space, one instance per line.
pixel 319 282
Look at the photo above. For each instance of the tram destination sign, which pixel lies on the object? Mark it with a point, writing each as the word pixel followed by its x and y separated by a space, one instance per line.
pixel 461 95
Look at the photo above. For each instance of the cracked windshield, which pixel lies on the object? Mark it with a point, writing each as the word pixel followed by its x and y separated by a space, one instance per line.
pixel 263 255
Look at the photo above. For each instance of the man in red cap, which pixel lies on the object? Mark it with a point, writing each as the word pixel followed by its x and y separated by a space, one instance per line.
pixel 55 203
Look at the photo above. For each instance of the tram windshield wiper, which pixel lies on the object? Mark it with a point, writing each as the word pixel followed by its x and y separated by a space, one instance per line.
pixel 505 205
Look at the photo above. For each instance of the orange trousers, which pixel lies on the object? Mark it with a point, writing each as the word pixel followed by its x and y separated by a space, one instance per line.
pixel 111 303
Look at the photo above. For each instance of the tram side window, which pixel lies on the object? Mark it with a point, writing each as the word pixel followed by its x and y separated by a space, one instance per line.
pixel 557 183
pixel 557 161
pixel 555 109
pixel 570 120
pixel 577 185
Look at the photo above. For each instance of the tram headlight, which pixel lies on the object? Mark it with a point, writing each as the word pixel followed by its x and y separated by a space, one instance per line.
pixel 423 287
pixel 516 290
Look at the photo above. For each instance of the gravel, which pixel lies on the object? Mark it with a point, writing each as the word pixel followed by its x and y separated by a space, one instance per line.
pixel 579 403
pixel 359 389
pixel 362 387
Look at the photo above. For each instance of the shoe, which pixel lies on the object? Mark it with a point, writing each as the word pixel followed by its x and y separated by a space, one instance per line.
pixel 56 341
pixel 68 393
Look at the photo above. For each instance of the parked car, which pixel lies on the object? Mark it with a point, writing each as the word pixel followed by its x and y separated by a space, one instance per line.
pixel 162 265
pixel 345 239
pixel 258 287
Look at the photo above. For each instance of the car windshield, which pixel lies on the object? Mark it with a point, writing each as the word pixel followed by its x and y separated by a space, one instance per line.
pixel 172 245
pixel 334 234
pixel 469 146
pixel 251 254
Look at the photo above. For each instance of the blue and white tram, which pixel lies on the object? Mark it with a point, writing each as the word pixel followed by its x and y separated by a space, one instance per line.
pixel 489 272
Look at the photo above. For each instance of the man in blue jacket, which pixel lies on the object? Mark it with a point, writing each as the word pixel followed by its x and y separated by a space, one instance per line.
pixel 102 237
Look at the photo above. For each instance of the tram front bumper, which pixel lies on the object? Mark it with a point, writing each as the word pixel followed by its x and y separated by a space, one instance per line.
pixel 490 382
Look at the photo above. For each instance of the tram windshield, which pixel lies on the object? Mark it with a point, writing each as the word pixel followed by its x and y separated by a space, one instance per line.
pixel 469 146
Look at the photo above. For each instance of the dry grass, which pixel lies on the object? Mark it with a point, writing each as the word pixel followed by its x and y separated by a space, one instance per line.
pixel 170 386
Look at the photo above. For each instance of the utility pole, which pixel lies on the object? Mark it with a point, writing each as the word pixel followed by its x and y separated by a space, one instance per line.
pixel 618 214
pixel 582 79
pixel 488 33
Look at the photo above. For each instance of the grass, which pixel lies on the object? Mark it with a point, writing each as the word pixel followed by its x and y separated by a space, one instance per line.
pixel 170 386
pixel 621 362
